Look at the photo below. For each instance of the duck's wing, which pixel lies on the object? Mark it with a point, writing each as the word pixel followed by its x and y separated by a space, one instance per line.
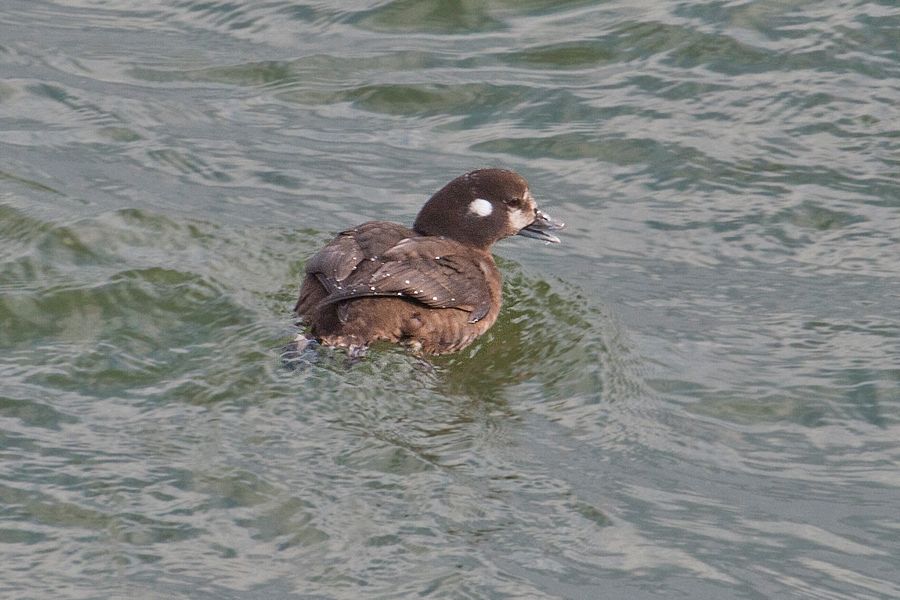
pixel 436 272
pixel 352 256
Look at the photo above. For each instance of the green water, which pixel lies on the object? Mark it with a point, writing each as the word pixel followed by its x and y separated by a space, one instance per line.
pixel 695 395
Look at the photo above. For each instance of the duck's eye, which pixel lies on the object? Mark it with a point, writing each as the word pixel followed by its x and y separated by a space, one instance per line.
pixel 512 201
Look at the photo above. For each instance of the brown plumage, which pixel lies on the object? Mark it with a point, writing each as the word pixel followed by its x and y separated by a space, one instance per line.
pixel 435 287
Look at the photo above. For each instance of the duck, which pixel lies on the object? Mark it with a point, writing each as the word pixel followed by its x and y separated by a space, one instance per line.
pixel 433 288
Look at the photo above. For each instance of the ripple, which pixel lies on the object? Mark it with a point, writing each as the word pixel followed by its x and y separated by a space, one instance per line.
pixel 434 16
pixel 590 51
pixel 422 100
pixel 266 73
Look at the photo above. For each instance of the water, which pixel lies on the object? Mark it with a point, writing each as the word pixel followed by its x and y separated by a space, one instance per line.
pixel 695 395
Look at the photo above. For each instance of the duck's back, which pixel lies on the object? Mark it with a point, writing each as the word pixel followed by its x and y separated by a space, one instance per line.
pixel 383 281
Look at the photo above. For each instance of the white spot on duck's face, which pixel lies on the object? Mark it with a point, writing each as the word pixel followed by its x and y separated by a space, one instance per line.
pixel 481 207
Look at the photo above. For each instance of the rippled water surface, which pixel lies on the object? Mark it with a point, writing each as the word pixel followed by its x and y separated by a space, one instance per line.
pixel 695 395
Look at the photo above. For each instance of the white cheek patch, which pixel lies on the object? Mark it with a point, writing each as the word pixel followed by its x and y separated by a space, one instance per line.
pixel 481 207
pixel 520 219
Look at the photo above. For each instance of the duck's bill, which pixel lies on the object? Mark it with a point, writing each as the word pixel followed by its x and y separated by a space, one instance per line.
pixel 541 227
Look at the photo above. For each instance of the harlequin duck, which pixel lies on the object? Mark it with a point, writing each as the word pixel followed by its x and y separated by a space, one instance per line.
pixel 435 287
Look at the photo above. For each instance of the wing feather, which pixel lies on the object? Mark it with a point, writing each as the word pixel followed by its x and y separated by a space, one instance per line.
pixel 437 273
